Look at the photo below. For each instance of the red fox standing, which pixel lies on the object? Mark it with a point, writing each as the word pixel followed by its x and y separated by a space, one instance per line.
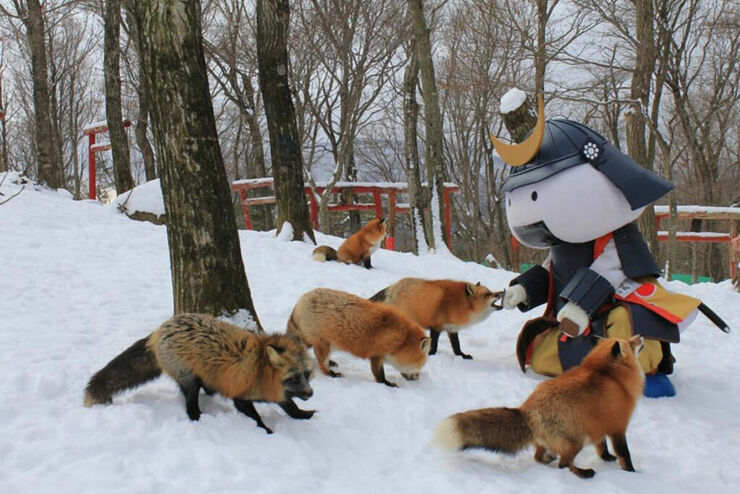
pixel 585 404
pixel 358 247
pixel 327 319
pixel 441 305
pixel 198 350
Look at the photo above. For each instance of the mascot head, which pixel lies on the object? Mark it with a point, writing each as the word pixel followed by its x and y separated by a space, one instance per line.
pixel 569 184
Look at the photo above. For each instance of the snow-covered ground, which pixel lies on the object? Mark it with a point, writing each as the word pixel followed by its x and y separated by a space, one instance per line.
pixel 80 282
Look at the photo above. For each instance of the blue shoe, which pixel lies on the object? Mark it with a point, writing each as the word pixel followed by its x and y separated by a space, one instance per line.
pixel 658 386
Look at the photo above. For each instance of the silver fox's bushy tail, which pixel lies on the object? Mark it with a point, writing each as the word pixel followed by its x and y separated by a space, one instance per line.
pixel 134 367
pixel 504 430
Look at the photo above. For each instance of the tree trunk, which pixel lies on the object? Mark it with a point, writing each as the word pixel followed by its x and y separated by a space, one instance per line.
pixel 273 19
pixel 413 170
pixel 434 157
pixel 640 91
pixel 521 120
pixel 142 117
pixel 207 270
pixel 49 169
pixel 112 73
pixel 540 54
pixel 262 217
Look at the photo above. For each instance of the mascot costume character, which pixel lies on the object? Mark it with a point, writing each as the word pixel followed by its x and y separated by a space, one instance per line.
pixel 574 193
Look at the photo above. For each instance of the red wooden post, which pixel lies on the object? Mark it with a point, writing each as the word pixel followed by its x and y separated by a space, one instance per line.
pixel 91 165
pixel 314 208
pixel 390 240
pixel 447 219
pixel 245 209
pixel 378 203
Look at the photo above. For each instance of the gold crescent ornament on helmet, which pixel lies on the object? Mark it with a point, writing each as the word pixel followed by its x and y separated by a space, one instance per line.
pixel 520 154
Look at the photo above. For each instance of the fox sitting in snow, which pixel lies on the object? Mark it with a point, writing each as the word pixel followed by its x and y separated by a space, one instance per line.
pixel 358 247
pixel 200 351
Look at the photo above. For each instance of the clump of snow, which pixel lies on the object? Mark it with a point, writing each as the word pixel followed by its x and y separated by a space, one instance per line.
pixel 286 232
pixel 512 100
pixel 81 283
pixel 243 319
pixel 144 198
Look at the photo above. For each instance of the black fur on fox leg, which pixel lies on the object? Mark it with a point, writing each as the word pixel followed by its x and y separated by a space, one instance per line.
pixel 247 408
pixel 335 374
pixel 190 390
pixel 376 365
pixel 619 441
pixel 455 342
pixel 206 389
pixel 434 334
pixel 293 411
pixel 603 451
pixel 366 263
pixel 333 364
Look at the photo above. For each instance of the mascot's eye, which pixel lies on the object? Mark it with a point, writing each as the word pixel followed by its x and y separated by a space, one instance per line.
pixel 534 195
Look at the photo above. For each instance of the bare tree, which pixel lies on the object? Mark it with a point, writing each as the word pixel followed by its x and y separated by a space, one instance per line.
pixel 273 20
pixel 32 16
pixel 207 269
pixel 434 155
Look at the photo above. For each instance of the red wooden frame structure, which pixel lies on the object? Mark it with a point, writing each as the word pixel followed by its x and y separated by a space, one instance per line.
pixel 705 213
pixel 378 190
pixel 92 147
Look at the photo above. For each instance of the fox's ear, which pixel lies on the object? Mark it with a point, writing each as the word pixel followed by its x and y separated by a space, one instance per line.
pixel 381 220
pixel 477 284
pixel 636 343
pixel 273 353
pixel 616 349
pixel 426 344
pixel 469 289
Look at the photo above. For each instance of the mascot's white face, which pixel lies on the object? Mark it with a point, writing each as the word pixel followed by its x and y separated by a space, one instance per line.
pixel 576 205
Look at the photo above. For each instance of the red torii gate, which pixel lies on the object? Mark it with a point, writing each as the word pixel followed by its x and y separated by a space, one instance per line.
pixel 91 130
pixel 377 189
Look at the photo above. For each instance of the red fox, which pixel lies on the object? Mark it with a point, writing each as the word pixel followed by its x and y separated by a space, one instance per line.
pixel 327 319
pixel 198 350
pixel 358 247
pixel 441 305
pixel 585 404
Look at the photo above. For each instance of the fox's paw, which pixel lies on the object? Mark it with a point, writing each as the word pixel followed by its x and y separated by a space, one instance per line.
pixel 335 374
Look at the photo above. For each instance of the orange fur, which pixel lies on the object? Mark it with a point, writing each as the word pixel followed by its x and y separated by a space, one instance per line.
pixel 584 405
pixel 327 319
pixel 440 305
pixel 358 247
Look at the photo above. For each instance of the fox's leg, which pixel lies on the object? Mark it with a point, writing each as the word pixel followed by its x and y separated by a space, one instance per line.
pixel 541 455
pixel 603 451
pixel 619 441
pixel 435 338
pixel 190 387
pixel 208 391
pixel 376 364
pixel 366 262
pixel 566 460
pixel 247 408
pixel 293 411
pixel 455 342
pixel 321 349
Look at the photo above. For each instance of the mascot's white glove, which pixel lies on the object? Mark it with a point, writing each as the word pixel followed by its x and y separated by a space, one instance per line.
pixel 514 295
pixel 576 316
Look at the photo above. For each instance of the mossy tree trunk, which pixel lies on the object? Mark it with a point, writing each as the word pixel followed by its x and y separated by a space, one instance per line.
pixel 208 274
pixel 273 20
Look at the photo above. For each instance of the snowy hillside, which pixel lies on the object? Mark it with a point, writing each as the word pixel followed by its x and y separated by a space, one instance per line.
pixel 80 282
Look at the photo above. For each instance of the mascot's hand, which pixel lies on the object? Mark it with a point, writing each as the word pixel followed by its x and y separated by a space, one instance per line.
pixel 514 295
pixel 573 320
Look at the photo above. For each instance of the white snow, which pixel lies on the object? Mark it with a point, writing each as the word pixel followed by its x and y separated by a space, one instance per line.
pixel 512 100
pixel 694 209
pixel 145 198
pixel 81 282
